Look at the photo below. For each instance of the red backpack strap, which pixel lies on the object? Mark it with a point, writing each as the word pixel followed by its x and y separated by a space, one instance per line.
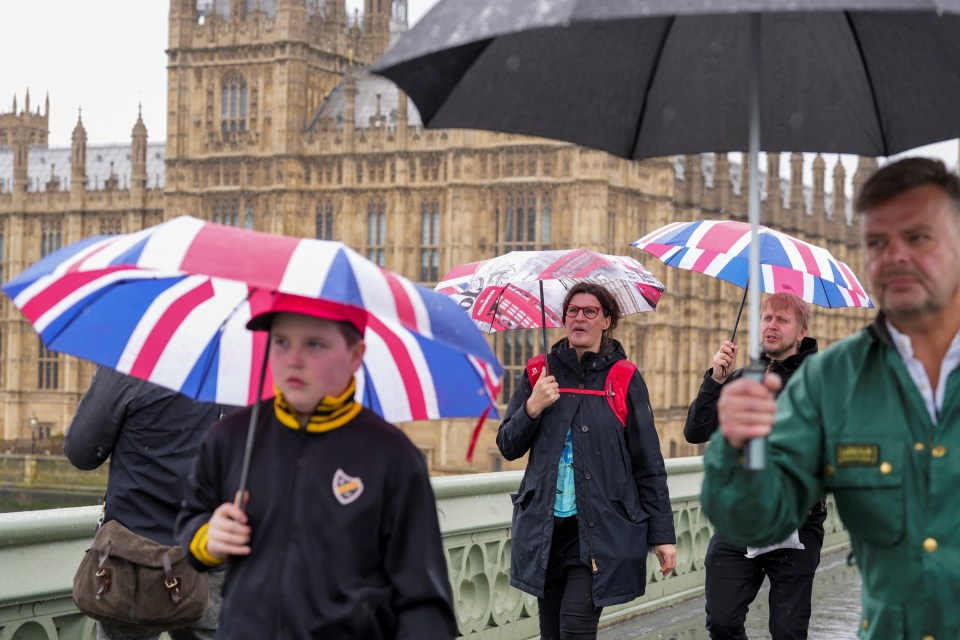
pixel 534 367
pixel 616 384
pixel 618 381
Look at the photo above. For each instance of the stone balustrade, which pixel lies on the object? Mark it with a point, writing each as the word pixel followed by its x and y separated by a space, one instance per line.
pixel 40 550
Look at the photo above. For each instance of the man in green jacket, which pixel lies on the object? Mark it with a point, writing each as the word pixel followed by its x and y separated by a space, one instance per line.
pixel 875 419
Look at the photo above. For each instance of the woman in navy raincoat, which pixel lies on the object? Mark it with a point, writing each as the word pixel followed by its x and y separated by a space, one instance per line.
pixel 594 498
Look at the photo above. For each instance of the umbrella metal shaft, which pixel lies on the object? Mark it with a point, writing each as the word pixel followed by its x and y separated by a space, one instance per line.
pixel 755 455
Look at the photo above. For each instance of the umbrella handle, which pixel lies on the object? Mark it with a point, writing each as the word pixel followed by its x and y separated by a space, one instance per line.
pixel 252 430
pixel 755 450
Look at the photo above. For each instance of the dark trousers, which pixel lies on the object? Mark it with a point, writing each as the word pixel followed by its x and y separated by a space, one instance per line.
pixel 733 581
pixel 566 610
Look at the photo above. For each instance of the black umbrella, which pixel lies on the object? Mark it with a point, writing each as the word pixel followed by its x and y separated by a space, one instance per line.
pixel 661 77
pixel 646 78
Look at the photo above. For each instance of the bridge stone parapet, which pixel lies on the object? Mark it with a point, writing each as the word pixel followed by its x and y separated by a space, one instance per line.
pixel 40 550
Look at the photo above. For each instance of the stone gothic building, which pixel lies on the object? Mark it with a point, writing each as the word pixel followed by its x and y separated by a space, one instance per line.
pixel 274 124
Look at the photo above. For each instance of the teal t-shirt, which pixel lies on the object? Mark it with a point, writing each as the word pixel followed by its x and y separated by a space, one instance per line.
pixel 566 502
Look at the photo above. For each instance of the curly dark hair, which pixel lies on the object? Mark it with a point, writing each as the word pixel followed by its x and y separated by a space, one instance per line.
pixel 608 303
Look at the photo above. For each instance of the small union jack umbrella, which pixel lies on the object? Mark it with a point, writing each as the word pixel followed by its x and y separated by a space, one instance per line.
pixel 720 248
pixel 169 304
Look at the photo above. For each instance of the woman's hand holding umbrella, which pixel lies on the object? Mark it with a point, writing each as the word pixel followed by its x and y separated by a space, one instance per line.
pixel 545 392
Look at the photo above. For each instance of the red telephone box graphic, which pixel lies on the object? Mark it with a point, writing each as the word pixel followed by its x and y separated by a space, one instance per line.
pixel 507 308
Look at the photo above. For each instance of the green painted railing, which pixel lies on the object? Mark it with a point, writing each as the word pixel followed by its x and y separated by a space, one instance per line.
pixel 40 550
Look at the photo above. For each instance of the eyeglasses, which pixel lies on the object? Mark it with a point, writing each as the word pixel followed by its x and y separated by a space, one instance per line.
pixel 588 312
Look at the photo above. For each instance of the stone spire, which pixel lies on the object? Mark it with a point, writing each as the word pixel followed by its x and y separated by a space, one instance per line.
pixel 721 180
pixel 865 168
pixel 774 196
pixel 838 210
pixel 819 218
pixel 138 154
pixel 796 188
pixel 78 156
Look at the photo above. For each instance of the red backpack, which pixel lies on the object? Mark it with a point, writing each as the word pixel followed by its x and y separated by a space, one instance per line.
pixel 618 379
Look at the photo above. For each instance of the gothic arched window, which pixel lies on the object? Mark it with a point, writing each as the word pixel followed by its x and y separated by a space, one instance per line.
pixel 50 238
pixel 430 241
pixel 248 220
pixel 376 231
pixel 233 103
pixel 524 221
pixel 325 220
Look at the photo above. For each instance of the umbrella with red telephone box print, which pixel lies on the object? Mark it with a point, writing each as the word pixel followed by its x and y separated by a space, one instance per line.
pixel 526 289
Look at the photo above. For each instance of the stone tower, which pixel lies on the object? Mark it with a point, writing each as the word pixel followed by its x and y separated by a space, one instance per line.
pixel 20 131
pixel 245 79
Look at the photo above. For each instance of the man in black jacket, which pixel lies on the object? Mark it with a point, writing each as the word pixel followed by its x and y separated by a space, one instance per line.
pixel 735 574
pixel 151 436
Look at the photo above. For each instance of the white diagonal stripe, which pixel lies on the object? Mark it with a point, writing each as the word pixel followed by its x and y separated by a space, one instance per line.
pixel 197 329
pixel 169 243
pixel 75 296
pixel 309 266
pixel 150 317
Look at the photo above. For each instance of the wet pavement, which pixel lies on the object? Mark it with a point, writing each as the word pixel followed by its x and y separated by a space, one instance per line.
pixel 836 611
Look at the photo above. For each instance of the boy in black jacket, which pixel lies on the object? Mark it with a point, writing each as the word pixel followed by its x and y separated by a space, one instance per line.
pixel 338 536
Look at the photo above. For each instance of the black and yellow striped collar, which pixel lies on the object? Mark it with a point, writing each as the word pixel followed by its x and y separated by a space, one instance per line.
pixel 332 412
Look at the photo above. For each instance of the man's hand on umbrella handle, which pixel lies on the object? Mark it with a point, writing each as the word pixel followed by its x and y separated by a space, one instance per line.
pixel 723 361
pixel 746 409
pixel 228 533
pixel 545 392
pixel 667 555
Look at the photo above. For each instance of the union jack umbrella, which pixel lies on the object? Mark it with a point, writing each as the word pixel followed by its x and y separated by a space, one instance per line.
pixel 526 289
pixel 169 304
pixel 720 248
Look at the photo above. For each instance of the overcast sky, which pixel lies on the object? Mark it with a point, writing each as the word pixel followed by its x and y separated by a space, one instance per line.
pixel 102 56
pixel 107 56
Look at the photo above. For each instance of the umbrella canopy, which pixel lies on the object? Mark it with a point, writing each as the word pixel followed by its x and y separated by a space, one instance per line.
pixel 661 77
pixel 720 249
pixel 526 289
pixel 169 304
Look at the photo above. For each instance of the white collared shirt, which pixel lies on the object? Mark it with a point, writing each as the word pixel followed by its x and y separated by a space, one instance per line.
pixel 933 401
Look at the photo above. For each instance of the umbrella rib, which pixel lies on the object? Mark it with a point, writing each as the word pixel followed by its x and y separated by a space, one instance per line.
pixel 866 71
pixel 646 90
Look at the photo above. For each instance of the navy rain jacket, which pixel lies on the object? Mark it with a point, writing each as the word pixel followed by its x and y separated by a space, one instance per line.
pixel 623 505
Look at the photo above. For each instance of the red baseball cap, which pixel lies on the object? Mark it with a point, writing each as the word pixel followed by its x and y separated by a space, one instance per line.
pixel 313 307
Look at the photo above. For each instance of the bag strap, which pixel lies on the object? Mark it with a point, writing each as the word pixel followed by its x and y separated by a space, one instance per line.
pixel 616 384
pixel 103 511
pixel 103 572
pixel 170 581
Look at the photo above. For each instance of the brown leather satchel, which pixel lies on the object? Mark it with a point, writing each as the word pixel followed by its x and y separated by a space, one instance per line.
pixel 131 581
